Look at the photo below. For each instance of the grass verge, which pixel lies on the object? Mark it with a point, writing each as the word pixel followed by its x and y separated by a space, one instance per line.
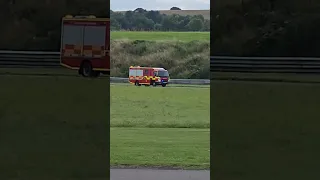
pixel 53 127
pixel 160 147
pixel 160 36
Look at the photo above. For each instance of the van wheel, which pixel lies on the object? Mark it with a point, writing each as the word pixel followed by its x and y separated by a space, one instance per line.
pixel 86 69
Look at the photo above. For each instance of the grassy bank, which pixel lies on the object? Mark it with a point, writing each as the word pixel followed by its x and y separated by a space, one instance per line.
pixel 182 59
pixel 50 128
pixel 264 129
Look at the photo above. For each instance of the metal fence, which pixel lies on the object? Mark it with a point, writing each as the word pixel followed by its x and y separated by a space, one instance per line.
pixel 265 64
pixel 34 59
pixel 27 59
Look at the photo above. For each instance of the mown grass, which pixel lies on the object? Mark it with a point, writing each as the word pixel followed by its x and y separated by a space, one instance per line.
pixel 182 59
pixel 61 123
pixel 160 107
pixel 160 127
pixel 160 147
pixel 263 130
pixel 53 128
pixel 160 36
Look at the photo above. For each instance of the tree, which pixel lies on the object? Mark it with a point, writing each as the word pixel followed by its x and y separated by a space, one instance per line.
pixel 157 27
pixel 140 10
pixel 195 24
pixel 114 25
pixel 175 8
pixel 206 25
pixel 25 24
pixel 141 19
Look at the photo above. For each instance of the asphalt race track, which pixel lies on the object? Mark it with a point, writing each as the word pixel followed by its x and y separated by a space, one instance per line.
pixel 157 174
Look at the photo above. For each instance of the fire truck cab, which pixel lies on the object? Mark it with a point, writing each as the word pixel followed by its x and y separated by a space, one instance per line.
pixel 148 76
pixel 85 45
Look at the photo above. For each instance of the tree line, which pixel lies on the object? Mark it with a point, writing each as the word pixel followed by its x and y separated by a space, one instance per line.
pixel 265 28
pixel 36 24
pixel 143 20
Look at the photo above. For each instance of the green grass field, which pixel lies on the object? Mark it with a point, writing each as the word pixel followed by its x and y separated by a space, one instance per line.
pixel 53 121
pixel 185 148
pixel 160 126
pixel 263 130
pixel 159 107
pixel 160 36
pixel 257 127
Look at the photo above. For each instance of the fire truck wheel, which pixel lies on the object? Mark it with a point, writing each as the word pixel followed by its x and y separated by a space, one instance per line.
pixel 153 83
pixel 95 74
pixel 137 83
pixel 164 85
pixel 86 69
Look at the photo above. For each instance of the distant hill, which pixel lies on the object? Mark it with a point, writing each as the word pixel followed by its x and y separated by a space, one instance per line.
pixel 204 13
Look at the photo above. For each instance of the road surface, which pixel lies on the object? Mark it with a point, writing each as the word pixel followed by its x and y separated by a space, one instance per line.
pixel 157 174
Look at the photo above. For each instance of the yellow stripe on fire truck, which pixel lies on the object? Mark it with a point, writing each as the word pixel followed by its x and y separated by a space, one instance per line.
pixel 76 50
pixel 144 77
pixel 136 77
pixel 151 78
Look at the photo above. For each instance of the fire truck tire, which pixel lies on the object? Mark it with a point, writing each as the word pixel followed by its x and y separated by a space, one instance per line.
pixel 153 83
pixel 106 73
pixel 137 83
pixel 95 74
pixel 164 85
pixel 86 69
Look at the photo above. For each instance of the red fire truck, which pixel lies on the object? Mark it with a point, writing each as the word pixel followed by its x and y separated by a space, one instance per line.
pixel 148 76
pixel 85 45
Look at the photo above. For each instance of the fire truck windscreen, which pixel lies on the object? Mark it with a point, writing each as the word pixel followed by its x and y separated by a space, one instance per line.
pixel 163 74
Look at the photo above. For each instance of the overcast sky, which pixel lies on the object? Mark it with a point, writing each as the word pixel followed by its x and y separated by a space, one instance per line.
pixel 125 5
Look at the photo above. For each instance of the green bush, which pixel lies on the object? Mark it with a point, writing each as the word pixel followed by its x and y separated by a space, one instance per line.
pixel 181 59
